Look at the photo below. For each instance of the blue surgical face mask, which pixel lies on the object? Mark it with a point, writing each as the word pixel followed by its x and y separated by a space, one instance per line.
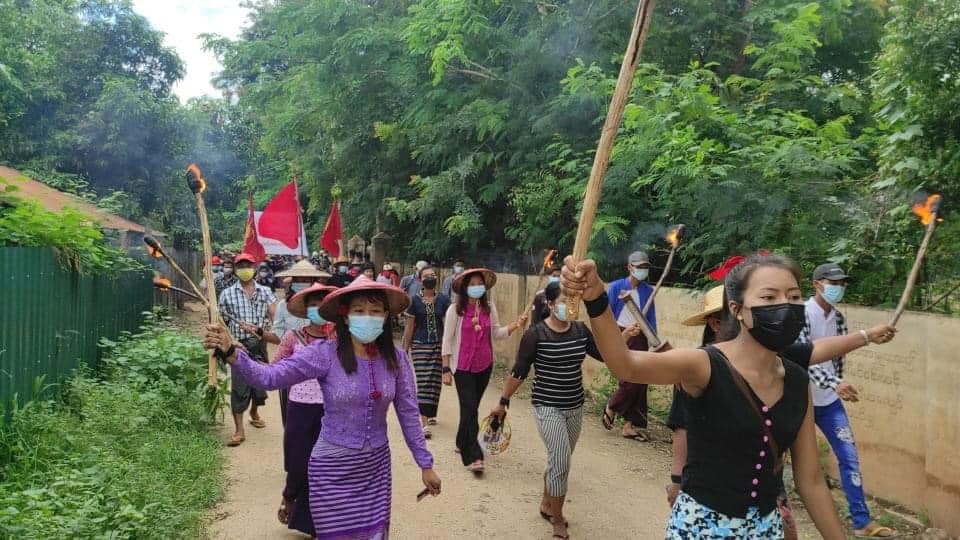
pixel 217 268
pixel 366 328
pixel 343 269
pixel 560 312
pixel 476 291
pixel 457 269
pixel 297 287
pixel 554 279
pixel 640 274
pixel 313 313
pixel 833 294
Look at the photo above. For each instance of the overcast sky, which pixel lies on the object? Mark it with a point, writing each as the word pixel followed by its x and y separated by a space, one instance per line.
pixel 183 21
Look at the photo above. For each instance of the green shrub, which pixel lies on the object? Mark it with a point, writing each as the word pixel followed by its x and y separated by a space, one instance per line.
pixel 125 455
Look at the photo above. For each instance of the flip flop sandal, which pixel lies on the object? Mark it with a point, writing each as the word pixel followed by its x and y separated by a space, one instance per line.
pixel 283 513
pixel 549 518
pixel 431 421
pixel 607 421
pixel 236 441
pixel 258 423
pixel 639 436
pixel 877 532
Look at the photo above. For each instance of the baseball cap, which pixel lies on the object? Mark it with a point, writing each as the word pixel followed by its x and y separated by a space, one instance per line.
pixel 830 271
pixel 638 258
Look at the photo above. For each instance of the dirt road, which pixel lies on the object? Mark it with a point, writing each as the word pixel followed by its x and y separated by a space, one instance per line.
pixel 616 485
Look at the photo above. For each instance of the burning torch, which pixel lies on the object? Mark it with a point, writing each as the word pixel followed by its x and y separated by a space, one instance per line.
pixel 548 261
pixel 927 210
pixel 673 236
pixel 197 184
pixel 156 250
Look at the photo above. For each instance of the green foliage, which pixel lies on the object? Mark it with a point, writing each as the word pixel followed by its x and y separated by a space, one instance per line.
pixel 79 244
pixel 124 455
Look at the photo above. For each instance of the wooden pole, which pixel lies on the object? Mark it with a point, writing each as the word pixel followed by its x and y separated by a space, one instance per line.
pixel 663 276
pixel 155 245
pixel 915 271
pixel 198 185
pixel 943 296
pixel 638 35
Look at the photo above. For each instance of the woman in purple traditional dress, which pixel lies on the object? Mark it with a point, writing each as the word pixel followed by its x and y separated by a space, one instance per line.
pixel 360 374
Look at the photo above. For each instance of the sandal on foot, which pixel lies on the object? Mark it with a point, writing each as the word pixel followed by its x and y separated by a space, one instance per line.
pixel 476 467
pixel 607 421
pixel 638 436
pixel 431 421
pixel 877 531
pixel 427 434
pixel 258 423
pixel 283 513
pixel 236 440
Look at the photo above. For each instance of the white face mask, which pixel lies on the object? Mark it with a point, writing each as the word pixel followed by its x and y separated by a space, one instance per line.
pixel 640 274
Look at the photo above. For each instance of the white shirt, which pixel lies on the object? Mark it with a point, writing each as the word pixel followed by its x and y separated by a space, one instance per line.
pixel 822 325
pixel 626 319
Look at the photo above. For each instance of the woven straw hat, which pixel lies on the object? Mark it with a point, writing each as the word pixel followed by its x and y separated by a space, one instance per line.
pixel 397 299
pixel 304 269
pixel 489 278
pixel 712 303
pixel 297 306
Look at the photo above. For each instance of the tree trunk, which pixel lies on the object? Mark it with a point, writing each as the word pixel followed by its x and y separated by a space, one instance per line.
pixel 740 60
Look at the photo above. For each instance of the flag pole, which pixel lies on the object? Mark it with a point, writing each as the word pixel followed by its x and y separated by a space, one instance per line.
pixel 302 239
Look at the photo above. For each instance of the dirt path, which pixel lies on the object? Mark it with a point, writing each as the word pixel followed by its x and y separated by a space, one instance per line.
pixel 616 485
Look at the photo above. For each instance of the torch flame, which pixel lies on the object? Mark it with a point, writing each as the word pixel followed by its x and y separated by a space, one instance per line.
pixel 161 282
pixel 153 246
pixel 551 254
pixel 926 209
pixel 195 179
pixel 673 236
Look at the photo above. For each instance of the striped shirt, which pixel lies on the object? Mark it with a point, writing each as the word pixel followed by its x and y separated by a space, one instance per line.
pixel 557 356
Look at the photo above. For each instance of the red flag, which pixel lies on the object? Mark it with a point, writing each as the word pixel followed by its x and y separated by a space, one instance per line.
pixel 332 234
pixel 721 272
pixel 251 244
pixel 280 219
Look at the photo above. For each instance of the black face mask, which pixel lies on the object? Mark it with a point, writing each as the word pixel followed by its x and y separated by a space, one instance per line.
pixel 430 283
pixel 778 326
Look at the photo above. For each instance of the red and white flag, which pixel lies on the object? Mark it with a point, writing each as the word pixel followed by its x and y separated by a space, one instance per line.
pixel 281 218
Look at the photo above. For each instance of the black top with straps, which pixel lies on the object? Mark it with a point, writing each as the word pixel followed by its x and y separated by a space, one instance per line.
pixel 729 466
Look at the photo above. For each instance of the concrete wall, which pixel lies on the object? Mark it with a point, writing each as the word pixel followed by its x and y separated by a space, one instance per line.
pixel 907 423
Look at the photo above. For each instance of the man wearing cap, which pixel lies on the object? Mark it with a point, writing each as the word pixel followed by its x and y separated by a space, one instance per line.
pixel 830 391
pixel 250 307
pixel 630 399
pixel 341 278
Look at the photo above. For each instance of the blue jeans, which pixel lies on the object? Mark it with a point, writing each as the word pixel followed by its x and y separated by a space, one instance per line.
pixel 834 424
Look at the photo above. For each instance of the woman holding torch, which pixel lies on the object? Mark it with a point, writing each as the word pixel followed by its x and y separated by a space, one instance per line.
pixel 745 405
pixel 360 374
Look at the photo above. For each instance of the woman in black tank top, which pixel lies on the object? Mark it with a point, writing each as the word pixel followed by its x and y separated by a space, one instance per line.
pixel 746 404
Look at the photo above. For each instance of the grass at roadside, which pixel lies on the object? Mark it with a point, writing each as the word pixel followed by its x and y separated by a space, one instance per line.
pixel 125 453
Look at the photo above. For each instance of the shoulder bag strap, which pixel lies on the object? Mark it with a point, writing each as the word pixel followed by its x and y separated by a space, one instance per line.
pixel 744 389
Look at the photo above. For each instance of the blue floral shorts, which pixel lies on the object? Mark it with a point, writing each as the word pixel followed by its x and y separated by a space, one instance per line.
pixel 692 520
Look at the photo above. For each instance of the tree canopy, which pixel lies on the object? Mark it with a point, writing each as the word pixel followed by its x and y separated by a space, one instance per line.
pixel 467 127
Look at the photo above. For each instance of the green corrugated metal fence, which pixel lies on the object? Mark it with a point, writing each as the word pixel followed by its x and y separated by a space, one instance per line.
pixel 51 319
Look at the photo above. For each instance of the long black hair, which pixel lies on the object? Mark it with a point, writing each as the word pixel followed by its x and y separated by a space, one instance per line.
pixel 737 282
pixel 384 343
pixel 463 297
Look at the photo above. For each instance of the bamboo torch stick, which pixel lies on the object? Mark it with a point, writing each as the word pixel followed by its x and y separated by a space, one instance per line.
pixel 198 185
pixel 156 250
pixel 674 237
pixel 548 261
pixel 641 26
pixel 927 211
